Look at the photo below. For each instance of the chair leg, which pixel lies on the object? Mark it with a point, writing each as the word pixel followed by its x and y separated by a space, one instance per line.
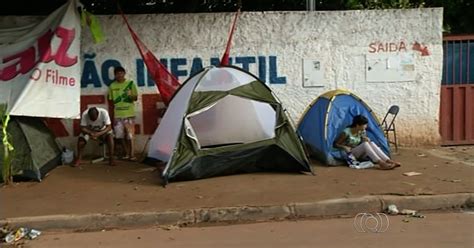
pixel 104 151
pixel 395 137
pixel 387 135
pixel 104 155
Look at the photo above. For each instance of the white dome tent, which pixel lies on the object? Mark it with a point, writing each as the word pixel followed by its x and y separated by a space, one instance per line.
pixel 224 120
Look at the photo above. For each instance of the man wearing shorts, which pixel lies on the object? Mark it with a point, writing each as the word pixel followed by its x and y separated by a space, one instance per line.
pixel 96 125
pixel 123 94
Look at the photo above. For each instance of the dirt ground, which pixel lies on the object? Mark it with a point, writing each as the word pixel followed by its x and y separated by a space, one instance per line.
pixel 98 188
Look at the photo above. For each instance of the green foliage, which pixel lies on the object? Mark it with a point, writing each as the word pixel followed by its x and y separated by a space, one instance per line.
pixel 458 14
pixel 7 147
pixel 383 4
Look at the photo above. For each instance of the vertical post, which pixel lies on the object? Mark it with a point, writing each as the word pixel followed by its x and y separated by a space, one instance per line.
pixel 460 62
pixel 311 5
pixel 468 58
pixel 452 58
pixel 446 50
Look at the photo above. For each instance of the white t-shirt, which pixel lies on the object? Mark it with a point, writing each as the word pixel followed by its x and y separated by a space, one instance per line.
pixel 100 124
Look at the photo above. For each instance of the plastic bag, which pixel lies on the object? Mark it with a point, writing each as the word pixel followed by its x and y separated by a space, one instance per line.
pixel 354 164
pixel 67 156
pixel 362 165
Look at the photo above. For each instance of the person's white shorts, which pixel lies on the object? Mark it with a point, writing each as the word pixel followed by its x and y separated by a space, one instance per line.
pixel 124 126
pixel 102 138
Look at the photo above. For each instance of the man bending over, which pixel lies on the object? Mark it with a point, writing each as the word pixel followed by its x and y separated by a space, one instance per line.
pixel 96 125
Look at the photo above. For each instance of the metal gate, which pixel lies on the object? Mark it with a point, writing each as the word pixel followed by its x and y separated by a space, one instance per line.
pixel 457 91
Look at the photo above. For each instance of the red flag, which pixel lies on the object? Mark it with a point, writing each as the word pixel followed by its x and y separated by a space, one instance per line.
pixel 166 82
pixel 225 57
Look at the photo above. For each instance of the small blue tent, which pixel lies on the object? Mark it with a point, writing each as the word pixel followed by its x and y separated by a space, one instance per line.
pixel 327 116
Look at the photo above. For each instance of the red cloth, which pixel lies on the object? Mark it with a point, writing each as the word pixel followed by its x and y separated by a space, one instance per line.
pixel 166 82
pixel 225 57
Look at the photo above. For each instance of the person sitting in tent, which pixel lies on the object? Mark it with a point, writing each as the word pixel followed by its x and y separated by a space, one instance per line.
pixel 354 141
pixel 96 125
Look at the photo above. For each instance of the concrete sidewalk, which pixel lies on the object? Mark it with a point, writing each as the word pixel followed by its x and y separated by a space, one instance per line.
pixel 129 192
pixel 322 209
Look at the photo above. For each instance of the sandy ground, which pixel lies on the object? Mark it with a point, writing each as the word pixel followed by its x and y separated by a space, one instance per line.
pixel 98 188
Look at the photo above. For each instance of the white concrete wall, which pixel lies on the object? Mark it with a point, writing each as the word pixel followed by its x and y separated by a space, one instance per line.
pixel 340 40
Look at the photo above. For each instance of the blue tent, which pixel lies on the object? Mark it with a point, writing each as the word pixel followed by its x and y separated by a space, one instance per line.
pixel 327 116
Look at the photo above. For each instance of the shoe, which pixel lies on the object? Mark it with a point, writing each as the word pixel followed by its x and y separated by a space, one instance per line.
pixel 394 162
pixel 389 167
pixel 76 163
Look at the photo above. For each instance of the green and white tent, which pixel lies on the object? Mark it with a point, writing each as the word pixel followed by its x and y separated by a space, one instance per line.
pixel 35 149
pixel 224 120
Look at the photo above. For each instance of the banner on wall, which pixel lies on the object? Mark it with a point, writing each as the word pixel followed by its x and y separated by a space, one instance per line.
pixel 40 66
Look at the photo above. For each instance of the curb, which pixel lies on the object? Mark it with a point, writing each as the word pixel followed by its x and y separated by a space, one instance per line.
pixel 326 208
